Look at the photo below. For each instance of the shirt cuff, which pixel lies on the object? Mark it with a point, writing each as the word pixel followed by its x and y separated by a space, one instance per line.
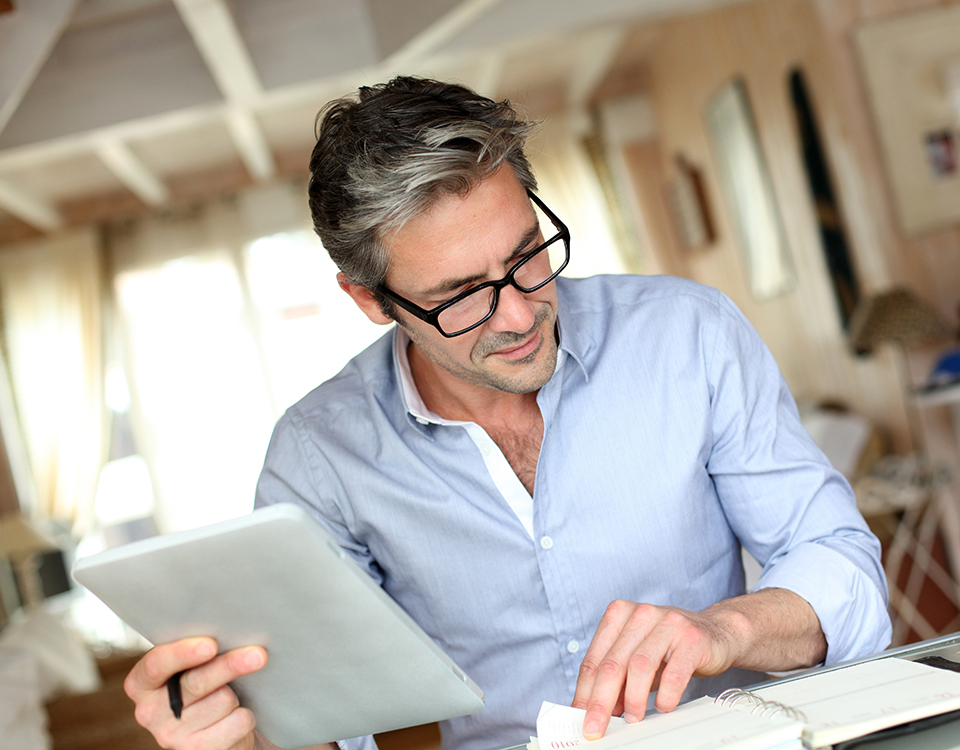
pixel 851 608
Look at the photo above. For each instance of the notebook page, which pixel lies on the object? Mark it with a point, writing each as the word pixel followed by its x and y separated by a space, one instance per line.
pixel 853 701
pixel 699 725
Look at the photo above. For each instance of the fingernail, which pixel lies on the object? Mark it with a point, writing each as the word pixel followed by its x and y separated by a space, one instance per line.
pixel 591 730
pixel 631 718
pixel 253 658
pixel 205 650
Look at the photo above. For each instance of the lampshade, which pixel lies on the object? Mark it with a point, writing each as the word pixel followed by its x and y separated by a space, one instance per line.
pixel 898 317
pixel 20 538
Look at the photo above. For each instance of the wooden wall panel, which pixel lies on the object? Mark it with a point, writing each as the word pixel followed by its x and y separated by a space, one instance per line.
pixel 689 59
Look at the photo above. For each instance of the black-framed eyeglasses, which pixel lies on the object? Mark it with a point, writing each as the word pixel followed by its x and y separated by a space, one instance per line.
pixel 475 306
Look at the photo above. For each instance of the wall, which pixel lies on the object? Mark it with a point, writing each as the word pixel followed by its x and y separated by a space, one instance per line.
pixel 681 64
pixel 930 262
pixel 8 490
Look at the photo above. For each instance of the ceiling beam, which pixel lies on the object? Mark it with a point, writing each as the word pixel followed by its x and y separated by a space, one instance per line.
pixel 132 172
pixel 39 155
pixel 27 36
pixel 249 140
pixel 215 33
pixel 28 208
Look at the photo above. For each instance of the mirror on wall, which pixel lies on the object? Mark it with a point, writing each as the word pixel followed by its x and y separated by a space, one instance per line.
pixel 748 192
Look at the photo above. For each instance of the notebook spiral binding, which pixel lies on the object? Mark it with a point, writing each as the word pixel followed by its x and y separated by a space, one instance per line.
pixel 739 696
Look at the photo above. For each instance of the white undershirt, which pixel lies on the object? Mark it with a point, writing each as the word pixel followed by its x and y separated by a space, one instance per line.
pixel 503 475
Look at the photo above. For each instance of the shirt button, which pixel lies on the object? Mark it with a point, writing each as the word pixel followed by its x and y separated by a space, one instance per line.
pixel 485 449
pixel 546 542
pixel 573 647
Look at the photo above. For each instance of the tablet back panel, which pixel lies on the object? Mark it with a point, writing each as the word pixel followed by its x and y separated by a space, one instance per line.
pixel 344 659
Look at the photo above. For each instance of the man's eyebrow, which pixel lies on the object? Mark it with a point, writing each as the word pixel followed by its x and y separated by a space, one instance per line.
pixel 449 285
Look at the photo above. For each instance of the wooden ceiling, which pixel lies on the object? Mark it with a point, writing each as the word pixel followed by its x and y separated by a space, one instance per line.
pixel 109 107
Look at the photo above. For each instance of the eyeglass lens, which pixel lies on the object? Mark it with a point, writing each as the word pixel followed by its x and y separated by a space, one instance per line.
pixel 532 272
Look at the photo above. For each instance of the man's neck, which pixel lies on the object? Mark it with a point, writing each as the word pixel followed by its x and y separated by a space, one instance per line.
pixel 513 421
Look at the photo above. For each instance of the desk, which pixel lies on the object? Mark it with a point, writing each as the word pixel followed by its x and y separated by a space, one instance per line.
pixel 938 738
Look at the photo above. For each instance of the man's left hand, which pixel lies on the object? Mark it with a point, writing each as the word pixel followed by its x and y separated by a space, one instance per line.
pixel 639 648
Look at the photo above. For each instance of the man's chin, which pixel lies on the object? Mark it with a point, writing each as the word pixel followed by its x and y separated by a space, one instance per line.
pixel 524 375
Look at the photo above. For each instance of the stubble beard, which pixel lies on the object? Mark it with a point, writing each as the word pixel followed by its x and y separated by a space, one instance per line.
pixel 483 376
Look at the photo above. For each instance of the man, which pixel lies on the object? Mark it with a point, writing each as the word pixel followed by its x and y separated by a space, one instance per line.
pixel 529 465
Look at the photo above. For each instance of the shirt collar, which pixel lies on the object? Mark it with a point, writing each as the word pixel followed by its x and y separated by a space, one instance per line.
pixel 412 401
pixel 575 340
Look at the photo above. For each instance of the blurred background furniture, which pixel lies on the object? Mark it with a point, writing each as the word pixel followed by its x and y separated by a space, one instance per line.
pixel 902 500
pixel 907 499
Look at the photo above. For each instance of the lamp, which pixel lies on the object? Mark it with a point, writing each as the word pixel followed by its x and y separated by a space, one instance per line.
pixel 901 318
pixel 21 541
pixel 897 317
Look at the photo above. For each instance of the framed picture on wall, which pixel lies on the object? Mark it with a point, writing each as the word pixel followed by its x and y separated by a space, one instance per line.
pixel 748 192
pixel 687 198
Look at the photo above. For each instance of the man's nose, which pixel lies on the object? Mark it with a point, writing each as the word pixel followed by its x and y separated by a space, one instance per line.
pixel 514 311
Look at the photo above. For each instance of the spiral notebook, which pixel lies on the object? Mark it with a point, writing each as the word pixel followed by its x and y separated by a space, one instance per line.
pixel 817 710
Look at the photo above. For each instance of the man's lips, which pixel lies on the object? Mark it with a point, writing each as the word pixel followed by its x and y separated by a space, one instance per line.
pixel 519 352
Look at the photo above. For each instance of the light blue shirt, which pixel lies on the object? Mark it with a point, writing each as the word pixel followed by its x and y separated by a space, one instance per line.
pixel 670 439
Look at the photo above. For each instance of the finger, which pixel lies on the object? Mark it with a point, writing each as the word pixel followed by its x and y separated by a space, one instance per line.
pixel 201 715
pixel 234 731
pixel 161 662
pixel 644 671
pixel 609 629
pixel 216 721
pixel 687 653
pixel 201 681
pixel 622 659
pixel 209 710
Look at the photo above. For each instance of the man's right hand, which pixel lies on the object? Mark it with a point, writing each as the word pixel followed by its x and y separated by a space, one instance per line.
pixel 212 718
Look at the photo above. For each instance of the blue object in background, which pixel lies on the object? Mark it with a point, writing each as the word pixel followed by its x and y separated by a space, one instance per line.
pixel 946 371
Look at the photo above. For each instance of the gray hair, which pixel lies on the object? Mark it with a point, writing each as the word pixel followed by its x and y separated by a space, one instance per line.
pixel 391 152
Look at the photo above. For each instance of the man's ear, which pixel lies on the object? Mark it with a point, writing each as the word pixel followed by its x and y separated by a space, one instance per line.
pixel 365 300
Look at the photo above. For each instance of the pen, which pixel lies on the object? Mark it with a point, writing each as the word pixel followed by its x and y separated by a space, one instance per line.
pixel 176 697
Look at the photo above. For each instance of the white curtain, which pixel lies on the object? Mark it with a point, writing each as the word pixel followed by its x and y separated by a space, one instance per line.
pixel 229 313
pixel 51 298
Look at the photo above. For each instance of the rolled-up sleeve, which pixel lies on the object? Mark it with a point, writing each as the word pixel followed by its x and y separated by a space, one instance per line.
pixel 791 510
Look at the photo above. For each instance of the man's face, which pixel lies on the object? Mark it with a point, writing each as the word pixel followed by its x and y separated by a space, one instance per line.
pixel 459 243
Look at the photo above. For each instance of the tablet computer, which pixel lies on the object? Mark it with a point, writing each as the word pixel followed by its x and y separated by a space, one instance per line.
pixel 344 659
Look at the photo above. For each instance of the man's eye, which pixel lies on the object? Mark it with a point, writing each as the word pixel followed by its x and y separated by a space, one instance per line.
pixel 451 296
pixel 534 246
